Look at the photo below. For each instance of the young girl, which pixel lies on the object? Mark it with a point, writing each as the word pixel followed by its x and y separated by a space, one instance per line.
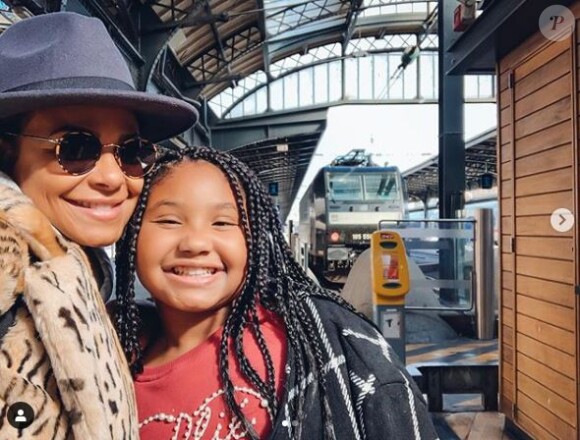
pixel 247 346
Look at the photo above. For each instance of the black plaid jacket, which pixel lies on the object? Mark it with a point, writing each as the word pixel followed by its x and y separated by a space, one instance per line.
pixel 370 394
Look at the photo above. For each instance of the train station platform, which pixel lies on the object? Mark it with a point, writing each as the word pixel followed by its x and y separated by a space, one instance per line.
pixel 471 366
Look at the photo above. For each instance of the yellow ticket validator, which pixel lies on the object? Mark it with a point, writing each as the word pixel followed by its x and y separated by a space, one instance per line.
pixel 389 268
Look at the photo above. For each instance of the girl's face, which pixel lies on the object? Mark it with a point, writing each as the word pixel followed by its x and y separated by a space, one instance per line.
pixel 91 209
pixel 191 250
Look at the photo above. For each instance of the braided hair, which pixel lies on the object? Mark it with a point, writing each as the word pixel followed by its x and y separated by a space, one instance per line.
pixel 274 279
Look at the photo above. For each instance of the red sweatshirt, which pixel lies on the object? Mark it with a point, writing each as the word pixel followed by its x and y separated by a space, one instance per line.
pixel 185 396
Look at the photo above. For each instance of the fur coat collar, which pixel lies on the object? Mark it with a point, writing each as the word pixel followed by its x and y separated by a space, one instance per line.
pixel 61 356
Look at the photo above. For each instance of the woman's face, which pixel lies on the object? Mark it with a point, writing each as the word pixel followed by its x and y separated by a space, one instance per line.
pixel 91 209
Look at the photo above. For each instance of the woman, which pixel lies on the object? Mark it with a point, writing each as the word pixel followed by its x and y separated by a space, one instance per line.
pixel 75 143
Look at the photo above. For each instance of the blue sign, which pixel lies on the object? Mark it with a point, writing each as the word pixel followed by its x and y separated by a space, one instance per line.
pixel 273 189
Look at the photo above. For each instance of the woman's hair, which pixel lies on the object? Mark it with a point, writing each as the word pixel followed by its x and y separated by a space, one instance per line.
pixel 274 279
pixel 8 144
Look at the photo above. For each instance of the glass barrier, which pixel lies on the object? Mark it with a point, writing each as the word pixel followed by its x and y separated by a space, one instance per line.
pixel 441 262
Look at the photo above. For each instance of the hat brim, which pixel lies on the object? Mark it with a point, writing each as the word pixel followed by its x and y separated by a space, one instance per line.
pixel 159 116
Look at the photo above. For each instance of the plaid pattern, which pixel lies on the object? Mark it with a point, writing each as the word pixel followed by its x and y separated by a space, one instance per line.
pixel 370 394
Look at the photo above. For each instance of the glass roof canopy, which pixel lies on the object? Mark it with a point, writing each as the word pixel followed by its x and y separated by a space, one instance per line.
pixel 350 50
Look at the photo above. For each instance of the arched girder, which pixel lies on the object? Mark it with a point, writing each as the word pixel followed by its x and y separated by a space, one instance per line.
pixel 310 65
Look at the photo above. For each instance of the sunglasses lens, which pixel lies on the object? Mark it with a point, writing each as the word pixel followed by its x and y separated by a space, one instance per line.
pixel 137 157
pixel 79 152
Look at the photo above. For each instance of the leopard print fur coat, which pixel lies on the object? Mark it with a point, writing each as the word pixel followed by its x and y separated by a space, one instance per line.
pixel 61 355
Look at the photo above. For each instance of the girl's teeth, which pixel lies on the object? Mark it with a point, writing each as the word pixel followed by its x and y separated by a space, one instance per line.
pixel 192 272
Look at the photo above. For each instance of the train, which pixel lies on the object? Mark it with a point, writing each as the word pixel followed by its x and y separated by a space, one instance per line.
pixel 340 210
pixel 474 199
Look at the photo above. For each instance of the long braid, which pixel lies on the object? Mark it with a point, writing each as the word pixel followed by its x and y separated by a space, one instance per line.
pixel 274 279
pixel 126 316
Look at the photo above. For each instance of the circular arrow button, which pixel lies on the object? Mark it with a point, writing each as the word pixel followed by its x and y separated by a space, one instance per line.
pixel 562 220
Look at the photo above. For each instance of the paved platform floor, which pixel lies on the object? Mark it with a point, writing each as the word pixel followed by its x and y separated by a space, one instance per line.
pixel 464 419
pixel 470 426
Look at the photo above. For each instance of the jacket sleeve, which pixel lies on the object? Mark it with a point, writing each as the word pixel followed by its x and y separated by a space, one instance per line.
pixel 397 411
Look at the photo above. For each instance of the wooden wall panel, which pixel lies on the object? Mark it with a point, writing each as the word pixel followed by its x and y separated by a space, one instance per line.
pixel 544 203
pixel 548 94
pixel 537 167
pixel 547 355
pixel 548 182
pixel 547 160
pixel 557 382
pixel 550 115
pixel 546 74
pixel 558 248
pixel 537 328
pixel 542 423
pixel 548 291
pixel 538 225
pixel 562 409
pixel 546 269
pixel 549 138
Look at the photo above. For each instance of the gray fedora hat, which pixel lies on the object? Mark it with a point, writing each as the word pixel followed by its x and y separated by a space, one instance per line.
pixel 65 58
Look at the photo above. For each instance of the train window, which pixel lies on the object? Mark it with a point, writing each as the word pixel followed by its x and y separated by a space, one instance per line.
pixel 381 187
pixel 344 186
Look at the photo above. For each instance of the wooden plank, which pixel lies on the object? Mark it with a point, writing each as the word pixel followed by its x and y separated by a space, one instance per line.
pixel 506 132
pixel 547 94
pixel 553 424
pixel 524 52
pixel 546 398
pixel 551 115
pixel 552 270
pixel 507 288
pixel 548 291
pixel 546 74
pixel 507 374
pixel 503 81
pixel 506 154
pixel 506 225
pixel 505 116
pixel 557 248
pixel 506 188
pixel 547 139
pixel 549 356
pixel 506 405
pixel 542 183
pixel 507 354
pixel 538 225
pixel 506 206
pixel 505 243
pixel 507 318
pixel 529 425
pixel 536 327
pixel 504 100
pixel 506 170
pixel 507 262
pixel 553 159
pixel 544 203
pixel 560 384
pixel 507 335
pixel 541 58
pixel 558 316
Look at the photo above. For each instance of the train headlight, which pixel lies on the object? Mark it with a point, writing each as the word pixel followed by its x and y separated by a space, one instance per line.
pixel 335 236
